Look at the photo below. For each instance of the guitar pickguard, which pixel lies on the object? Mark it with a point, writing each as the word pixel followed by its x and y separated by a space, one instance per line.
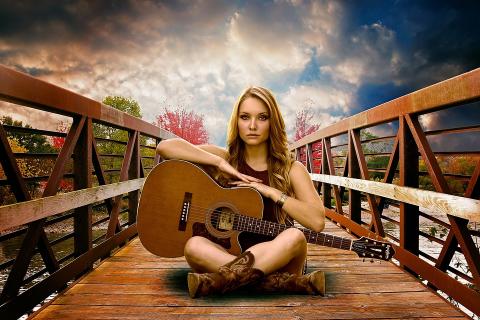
pixel 199 229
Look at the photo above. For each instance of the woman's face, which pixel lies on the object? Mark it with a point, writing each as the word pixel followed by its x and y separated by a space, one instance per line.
pixel 253 121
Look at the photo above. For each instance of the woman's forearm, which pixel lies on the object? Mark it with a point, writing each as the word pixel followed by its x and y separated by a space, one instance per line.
pixel 311 216
pixel 181 149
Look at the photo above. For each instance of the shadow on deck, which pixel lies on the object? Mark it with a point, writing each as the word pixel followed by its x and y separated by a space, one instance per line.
pixel 134 284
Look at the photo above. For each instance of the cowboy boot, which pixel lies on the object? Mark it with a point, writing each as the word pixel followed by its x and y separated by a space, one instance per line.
pixel 237 273
pixel 285 282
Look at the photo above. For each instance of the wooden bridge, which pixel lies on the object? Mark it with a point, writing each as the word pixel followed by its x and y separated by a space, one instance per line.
pixel 108 274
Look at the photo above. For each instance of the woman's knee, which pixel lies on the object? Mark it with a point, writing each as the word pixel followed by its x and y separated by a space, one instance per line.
pixel 295 239
pixel 194 247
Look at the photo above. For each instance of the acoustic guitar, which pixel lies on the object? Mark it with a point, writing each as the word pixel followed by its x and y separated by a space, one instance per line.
pixel 180 200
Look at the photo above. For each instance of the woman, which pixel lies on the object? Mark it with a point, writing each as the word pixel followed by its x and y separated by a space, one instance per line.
pixel 257 156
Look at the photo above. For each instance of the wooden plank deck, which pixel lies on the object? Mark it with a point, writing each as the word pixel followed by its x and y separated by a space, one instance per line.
pixel 134 284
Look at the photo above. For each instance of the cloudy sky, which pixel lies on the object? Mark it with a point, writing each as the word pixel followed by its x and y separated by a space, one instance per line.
pixel 337 57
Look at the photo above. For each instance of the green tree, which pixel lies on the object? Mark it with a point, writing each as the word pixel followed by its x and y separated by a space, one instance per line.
pixel 34 143
pixel 106 148
pixel 127 105
pixel 26 142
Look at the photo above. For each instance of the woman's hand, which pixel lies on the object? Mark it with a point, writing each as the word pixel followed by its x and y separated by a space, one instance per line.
pixel 266 191
pixel 227 168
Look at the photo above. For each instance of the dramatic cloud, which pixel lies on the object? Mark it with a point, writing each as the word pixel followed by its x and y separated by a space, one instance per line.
pixel 335 57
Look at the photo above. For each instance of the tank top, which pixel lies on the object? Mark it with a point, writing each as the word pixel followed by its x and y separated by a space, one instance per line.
pixel 248 239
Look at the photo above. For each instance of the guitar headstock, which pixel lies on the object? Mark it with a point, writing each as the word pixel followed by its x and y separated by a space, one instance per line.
pixel 374 249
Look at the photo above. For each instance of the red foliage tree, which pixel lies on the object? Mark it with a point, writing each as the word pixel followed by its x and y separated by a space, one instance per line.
pixel 303 123
pixel 57 142
pixel 185 124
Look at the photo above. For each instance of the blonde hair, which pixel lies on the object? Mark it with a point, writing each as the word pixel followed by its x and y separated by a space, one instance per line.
pixel 279 159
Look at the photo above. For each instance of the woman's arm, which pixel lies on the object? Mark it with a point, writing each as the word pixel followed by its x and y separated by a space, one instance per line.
pixel 306 208
pixel 181 149
pixel 205 154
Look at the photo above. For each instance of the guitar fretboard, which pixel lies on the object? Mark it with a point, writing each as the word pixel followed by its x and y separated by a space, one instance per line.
pixel 254 225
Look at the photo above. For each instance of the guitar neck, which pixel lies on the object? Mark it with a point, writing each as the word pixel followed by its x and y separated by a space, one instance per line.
pixel 245 223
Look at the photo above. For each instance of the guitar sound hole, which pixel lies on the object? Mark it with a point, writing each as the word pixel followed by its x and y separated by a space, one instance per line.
pixel 222 219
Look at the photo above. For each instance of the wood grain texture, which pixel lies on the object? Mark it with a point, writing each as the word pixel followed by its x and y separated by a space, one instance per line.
pixel 21 213
pixel 134 284
pixel 438 202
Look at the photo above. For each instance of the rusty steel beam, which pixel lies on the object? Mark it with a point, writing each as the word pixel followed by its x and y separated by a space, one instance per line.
pixel 134 173
pixel 82 167
pixel 344 174
pixel 458 226
pixel 473 188
pixel 113 223
pixel 354 197
pixel 20 88
pixel 99 171
pixel 390 171
pixel 453 288
pixel 309 158
pixel 27 300
pixel 457 90
pixel 326 188
pixel 10 167
pixel 409 214
pixel 427 154
pixel 331 169
pixel 35 233
pixel 362 164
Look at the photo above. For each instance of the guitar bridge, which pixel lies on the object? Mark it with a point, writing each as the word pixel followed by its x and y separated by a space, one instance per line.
pixel 187 201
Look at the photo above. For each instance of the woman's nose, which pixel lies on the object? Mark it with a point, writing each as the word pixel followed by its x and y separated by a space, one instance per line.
pixel 252 125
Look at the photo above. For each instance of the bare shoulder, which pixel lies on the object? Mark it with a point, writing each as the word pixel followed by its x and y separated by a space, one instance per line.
pixel 302 183
pixel 298 171
pixel 216 150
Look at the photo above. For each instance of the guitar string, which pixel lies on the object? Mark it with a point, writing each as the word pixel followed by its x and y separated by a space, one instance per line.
pixel 333 241
pixel 199 212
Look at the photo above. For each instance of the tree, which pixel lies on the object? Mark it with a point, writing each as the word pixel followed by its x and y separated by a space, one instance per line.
pixel 30 167
pixel 186 124
pixel 33 142
pixel 127 105
pixel 303 123
pixel 6 196
pixel 104 147
pixel 57 142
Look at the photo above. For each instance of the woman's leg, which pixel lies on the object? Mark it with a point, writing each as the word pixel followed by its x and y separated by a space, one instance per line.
pixel 287 252
pixel 204 255
pixel 217 271
pixel 283 259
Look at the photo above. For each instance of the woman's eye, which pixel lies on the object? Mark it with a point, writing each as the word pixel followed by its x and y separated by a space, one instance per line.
pixel 244 117
pixel 263 118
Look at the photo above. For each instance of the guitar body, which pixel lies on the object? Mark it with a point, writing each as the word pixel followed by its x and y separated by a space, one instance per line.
pixel 179 200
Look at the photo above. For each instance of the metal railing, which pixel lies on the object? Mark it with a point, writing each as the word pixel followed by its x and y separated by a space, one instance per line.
pixel 390 144
pixel 105 186
pixel 97 216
